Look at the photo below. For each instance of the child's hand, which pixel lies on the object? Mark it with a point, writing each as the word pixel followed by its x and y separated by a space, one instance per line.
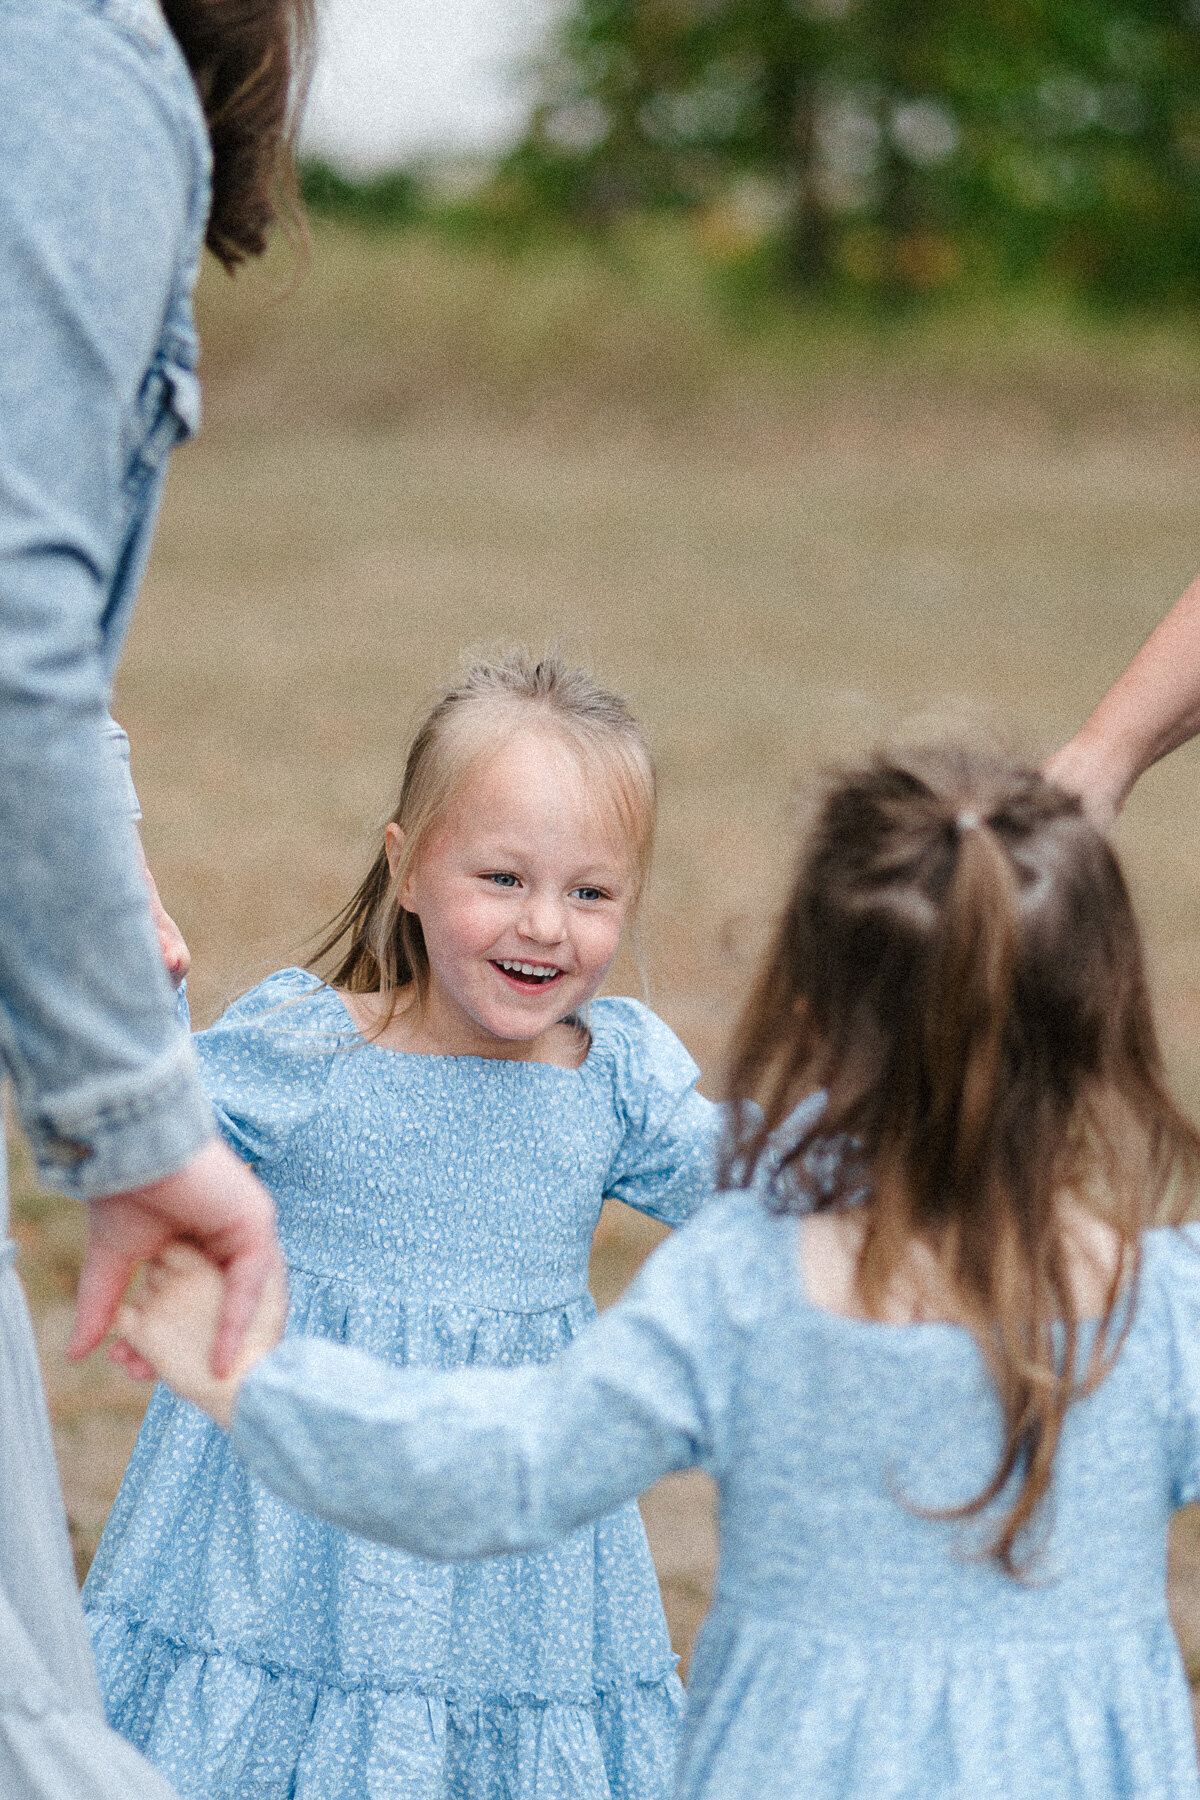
pixel 172 947
pixel 174 1323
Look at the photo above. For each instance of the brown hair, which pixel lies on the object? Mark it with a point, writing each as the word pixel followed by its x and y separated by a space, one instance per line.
pixel 959 968
pixel 251 61
pixel 377 946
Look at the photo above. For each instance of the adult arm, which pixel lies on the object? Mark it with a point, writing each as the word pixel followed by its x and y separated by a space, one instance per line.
pixel 95 186
pixel 1150 710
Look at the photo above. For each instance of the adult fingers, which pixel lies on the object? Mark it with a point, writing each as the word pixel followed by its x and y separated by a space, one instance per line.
pixel 102 1283
pixel 122 1353
pixel 245 1278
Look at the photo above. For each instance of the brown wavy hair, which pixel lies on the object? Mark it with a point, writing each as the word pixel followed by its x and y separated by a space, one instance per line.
pixel 959 968
pixel 375 945
pixel 251 61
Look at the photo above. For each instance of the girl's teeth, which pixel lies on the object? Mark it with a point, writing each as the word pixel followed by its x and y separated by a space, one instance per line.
pixel 516 968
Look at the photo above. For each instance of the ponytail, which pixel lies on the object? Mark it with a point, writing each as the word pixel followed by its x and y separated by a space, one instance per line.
pixel 966 1004
pixel 967 1025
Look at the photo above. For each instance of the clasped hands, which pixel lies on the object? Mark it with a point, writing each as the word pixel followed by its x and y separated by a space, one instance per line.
pixel 213 1209
pixel 173 1325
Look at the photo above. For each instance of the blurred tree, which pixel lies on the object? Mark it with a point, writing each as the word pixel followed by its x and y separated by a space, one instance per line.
pixel 893 145
pixel 382 201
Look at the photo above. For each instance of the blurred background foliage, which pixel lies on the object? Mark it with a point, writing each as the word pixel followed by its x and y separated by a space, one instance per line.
pixel 866 148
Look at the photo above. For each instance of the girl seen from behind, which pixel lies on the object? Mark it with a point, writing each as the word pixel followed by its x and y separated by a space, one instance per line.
pixel 937 1348
pixel 438 1125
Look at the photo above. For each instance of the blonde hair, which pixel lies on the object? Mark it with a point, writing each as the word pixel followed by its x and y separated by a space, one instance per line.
pixel 376 945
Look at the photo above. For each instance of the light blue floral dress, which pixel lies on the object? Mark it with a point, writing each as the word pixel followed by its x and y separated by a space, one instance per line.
pixel 856 1650
pixel 435 1211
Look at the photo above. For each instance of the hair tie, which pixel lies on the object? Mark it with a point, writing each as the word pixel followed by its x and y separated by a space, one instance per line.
pixel 968 821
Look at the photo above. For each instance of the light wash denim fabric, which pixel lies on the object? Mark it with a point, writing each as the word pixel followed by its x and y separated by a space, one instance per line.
pixel 119 744
pixel 104 170
pixel 54 1742
pixel 858 1647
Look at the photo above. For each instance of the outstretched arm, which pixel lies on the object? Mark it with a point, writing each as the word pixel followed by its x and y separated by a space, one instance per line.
pixel 473 1462
pixel 1149 711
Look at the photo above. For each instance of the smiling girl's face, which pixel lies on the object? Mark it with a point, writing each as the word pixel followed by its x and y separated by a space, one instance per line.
pixel 522 894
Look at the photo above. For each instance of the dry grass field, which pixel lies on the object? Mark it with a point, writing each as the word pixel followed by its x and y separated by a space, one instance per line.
pixel 783 541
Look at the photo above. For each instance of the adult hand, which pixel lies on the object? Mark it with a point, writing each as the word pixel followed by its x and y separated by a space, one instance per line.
pixel 1084 769
pixel 1147 712
pixel 215 1203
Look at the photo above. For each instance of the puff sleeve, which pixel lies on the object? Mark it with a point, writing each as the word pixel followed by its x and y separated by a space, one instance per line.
pixel 665 1164
pixel 266 1062
pixel 1177 1262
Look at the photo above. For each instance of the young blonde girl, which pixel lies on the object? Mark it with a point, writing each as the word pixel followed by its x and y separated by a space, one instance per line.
pixel 945 1372
pixel 438 1124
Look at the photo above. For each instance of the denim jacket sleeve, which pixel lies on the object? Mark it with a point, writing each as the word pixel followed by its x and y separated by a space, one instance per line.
pixel 99 190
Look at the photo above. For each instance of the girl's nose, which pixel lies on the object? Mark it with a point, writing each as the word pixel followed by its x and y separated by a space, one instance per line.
pixel 542 919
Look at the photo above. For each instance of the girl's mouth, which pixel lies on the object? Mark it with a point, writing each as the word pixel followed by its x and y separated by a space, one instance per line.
pixel 527 974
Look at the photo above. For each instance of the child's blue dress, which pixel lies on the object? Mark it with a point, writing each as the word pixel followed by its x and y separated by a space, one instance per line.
pixel 435 1211
pixel 855 1650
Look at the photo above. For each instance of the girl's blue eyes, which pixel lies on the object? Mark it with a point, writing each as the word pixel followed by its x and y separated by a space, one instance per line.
pixel 503 879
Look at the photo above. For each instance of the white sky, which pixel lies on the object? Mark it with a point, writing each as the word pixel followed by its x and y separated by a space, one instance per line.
pixel 400 79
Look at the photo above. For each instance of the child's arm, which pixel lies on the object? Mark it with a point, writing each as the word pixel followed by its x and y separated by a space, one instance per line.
pixel 171 945
pixel 475 1462
pixel 263 1067
pixel 666 1163
pixel 673 1175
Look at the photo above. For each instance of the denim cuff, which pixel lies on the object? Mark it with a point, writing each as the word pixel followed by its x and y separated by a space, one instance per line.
pixel 108 1137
